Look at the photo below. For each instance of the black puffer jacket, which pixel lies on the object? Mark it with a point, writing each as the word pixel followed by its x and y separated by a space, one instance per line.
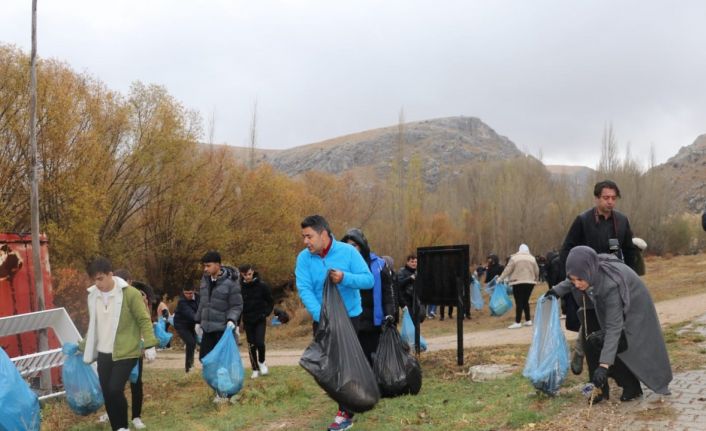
pixel 367 301
pixel 257 300
pixel 221 301
pixel 185 313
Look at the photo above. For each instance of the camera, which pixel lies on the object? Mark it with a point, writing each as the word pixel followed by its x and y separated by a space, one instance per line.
pixel 613 245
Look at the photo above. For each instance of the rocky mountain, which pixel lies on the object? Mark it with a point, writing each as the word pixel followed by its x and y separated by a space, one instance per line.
pixel 442 145
pixel 687 174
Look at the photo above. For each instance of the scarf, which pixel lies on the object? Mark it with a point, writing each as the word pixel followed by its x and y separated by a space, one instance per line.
pixel 583 262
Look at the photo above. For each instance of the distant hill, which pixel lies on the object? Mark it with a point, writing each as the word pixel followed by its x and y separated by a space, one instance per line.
pixel 687 174
pixel 442 145
pixel 579 178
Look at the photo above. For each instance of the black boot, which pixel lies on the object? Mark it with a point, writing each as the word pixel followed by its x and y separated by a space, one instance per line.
pixel 630 394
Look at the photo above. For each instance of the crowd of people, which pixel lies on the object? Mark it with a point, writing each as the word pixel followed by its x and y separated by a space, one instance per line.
pixel 596 274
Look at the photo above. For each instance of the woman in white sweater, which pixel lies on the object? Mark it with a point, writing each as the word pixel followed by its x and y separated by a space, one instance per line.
pixel 522 273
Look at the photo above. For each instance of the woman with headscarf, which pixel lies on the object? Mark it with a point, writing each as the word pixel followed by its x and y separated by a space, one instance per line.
pixel 632 348
pixel 522 273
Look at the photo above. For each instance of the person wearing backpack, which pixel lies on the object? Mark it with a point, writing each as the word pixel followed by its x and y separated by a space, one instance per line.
pixel 220 305
pixel 257 305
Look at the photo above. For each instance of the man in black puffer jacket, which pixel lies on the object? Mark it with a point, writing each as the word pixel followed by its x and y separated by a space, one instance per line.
pixel 379 303
pixel 220 305
pixel 257 305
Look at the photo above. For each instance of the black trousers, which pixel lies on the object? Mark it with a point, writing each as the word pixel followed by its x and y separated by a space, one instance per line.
pixel 112 376
pixel 136 391
pixel 188 336
pixel 522 293
pixel 255 334
pixel 356 323
pixel 451 310
pixel 208 342
pixel 618 371
pixel 369 340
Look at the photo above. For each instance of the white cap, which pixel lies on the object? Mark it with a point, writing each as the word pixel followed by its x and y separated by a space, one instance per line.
pixel 639 243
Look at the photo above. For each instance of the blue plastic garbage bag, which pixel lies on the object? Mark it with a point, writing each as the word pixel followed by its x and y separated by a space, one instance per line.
pixel 499 302
pixel 477 300
pixel 222 367
pixel 490 286
pixel 83 390
pixel 335 358
pixel 407 332
pixel 548 359
pixel 19 406
pixel 135 373
pixel 161 333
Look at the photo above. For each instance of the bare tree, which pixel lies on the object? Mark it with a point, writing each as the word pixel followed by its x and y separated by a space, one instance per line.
pixel 253 135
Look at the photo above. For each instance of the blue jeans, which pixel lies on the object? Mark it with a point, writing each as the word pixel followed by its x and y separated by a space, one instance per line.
pixel 431 309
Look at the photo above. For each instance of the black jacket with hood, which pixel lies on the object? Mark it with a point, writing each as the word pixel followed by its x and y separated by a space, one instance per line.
pixel 257 300
pixel 389 302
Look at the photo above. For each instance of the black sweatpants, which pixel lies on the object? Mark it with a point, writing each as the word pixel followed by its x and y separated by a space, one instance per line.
pixel 188 336
pixel 255 334
pixel 112 376
pixel 136 391
pixel 522 293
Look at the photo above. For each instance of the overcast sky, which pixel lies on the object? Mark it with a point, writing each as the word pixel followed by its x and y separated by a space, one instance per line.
pixel 549 75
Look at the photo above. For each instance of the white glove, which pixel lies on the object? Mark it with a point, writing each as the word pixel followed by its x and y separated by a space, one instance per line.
pixel 151 354
pixel 198 330
pixel 230 324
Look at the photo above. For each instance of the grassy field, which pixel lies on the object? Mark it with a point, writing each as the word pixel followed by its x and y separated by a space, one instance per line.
pixel 289 398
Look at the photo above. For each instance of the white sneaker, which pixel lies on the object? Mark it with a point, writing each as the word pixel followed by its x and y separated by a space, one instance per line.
pixel 255 374
pixel 103 418
pixel 220 400
pixel 263 368
pixel 515 326
pixel 528 323
pixel 123 429
pixel 138 424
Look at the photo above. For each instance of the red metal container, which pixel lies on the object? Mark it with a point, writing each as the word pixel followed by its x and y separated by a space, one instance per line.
pixel 17 293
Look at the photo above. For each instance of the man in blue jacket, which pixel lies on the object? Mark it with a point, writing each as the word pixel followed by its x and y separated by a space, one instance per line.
pixel 326 257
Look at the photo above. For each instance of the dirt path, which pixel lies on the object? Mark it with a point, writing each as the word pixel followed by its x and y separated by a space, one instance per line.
pixel 671 311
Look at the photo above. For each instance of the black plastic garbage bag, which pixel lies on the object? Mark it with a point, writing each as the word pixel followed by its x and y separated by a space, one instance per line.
pixel 335 357
pixel 396 370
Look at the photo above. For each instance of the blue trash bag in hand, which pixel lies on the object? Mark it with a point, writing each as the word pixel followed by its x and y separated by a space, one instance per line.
pixel 490 286
pixel 407 332
pixel 499 302
pixel 83 390
pixel 477 300
pixel 548 359
pixel 161 333
pixel 222 367
pixel 135 373
pixel 19 406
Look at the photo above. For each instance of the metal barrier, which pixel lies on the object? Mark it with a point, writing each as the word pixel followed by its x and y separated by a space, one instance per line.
pixel 64 329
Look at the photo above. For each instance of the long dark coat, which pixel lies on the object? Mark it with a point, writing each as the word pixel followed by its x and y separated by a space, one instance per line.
pixel 646 355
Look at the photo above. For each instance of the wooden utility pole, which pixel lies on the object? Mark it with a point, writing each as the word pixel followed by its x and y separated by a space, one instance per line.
pixel 45 380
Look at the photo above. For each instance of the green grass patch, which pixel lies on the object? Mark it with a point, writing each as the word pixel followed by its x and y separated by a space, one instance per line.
pixel 289 398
